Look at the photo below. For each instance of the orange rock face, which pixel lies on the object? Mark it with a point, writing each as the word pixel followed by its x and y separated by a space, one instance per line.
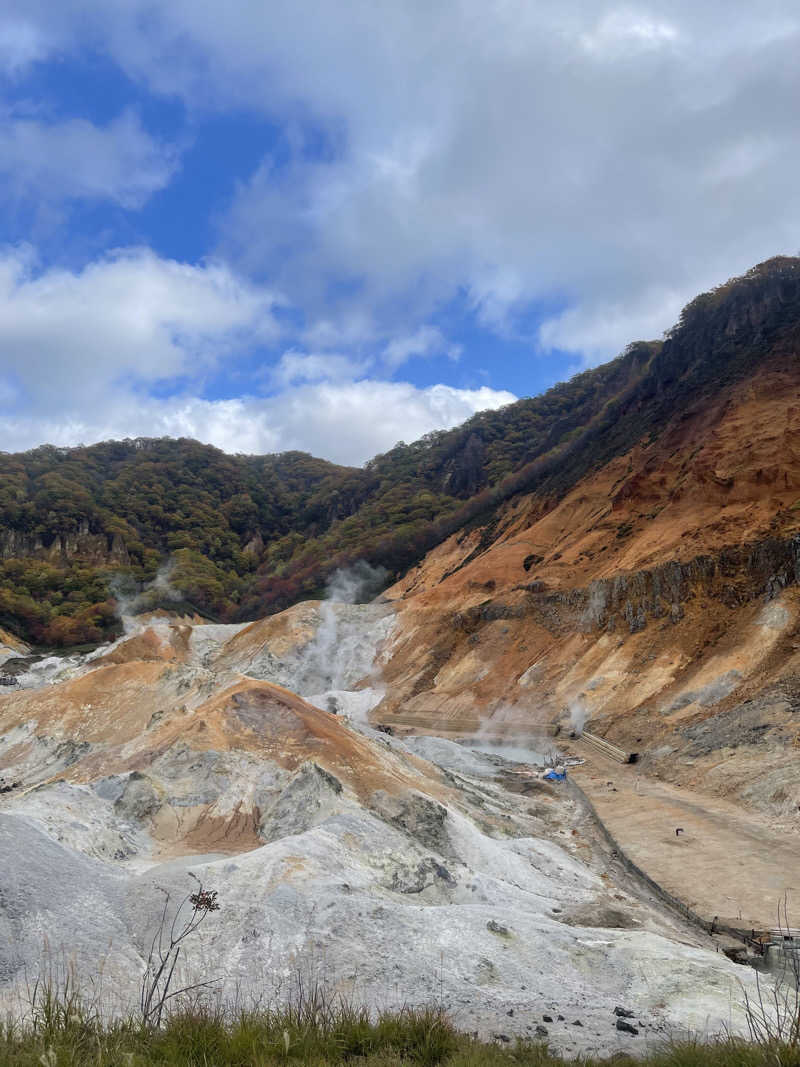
pixel 660 594
pixel 194 741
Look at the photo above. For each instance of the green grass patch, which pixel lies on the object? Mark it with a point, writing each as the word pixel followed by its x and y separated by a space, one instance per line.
pixel 59 1034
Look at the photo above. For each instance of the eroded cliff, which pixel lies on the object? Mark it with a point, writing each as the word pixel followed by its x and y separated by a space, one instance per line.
pixel 660 594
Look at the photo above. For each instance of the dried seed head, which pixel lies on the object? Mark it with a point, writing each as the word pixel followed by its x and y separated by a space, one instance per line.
pixel 204 900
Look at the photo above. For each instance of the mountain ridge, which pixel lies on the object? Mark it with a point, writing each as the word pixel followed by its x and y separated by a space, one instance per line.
pixel 249 534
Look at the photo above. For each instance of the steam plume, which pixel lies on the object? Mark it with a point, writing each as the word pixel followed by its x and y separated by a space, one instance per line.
pixel 152 595
pixel 578 715
pixel 355 584
pixel 332 651
pixel 504 734
pixel 340 654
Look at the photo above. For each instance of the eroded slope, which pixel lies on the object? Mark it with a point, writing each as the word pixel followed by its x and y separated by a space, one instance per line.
pixel 398 872
pixel 659 598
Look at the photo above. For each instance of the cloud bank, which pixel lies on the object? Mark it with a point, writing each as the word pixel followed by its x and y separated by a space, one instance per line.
pixel 82 351
pixel 74 339
pixel 608 160
pixel 347 423
pixel 567 176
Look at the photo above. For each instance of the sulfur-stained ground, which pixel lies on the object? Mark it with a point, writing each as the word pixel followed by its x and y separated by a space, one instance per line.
pixel 394 872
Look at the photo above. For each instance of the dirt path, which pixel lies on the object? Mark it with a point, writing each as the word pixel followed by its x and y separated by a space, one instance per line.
pixel 726 862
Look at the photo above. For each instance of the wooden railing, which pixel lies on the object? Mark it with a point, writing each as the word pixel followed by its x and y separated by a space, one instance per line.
pixel 608 749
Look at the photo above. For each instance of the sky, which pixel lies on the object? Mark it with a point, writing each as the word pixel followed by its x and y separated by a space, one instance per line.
pixel 298 224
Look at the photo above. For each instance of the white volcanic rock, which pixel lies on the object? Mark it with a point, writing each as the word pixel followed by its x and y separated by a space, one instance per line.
pixel 460 758
pixel 311 648
pixel 399 872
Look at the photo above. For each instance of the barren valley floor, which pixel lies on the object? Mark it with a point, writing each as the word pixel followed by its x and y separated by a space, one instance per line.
pixel 726 862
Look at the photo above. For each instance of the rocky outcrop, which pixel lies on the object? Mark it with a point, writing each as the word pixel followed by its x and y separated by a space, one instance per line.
pixel 734 576
pixel 254 546
pixel 312 796
pixel 75 544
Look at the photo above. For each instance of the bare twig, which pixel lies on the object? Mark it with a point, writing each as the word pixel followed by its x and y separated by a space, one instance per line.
pixel 166 946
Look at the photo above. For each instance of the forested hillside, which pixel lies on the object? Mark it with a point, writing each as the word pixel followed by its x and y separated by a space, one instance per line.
pixel 245 535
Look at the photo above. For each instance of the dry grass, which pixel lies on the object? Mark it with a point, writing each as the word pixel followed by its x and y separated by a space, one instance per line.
pixel 60 1031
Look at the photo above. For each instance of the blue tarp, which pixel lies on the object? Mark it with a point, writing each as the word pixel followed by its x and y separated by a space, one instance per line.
pixel 551 776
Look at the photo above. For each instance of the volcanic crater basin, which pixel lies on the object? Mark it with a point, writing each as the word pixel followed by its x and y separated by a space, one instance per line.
pixel 395 872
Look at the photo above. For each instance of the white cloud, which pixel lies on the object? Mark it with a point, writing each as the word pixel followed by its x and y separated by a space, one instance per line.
pixel 345 422
pixel 354 328
pixel 294 367
pixel 620 30
pixel 607 159
pixel 67 339
pixel 590 156
pixel 73 159
pixel 593 328
pixel 351 422
pixel 426 341
pixel 22 42
pixel 81 354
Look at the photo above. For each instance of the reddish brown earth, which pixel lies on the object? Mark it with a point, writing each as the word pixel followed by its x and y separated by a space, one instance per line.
pixel 555 605
pixel 148 704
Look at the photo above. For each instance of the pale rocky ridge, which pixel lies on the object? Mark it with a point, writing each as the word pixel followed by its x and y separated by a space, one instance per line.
pixel 396 871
